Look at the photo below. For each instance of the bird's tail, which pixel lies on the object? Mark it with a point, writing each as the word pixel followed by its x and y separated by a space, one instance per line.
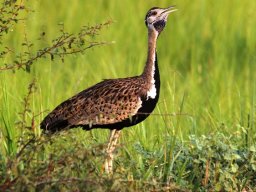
pixel 53 125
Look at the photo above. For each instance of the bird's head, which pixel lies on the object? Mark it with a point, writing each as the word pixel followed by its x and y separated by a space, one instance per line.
pixel 156 17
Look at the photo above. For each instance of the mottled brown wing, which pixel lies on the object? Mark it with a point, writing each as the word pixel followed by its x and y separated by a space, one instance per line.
pixel 108 102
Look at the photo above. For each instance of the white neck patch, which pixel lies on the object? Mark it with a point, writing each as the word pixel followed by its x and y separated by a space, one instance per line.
pixel 151 93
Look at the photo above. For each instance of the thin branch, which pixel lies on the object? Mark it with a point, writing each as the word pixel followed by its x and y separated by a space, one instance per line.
pixel 67 180
pixel 11 11
pixel 32 140
pixel 67 43
pixel 167 114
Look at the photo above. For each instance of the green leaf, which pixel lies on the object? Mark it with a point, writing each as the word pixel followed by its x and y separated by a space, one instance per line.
pixel 252 148
pixel 234 168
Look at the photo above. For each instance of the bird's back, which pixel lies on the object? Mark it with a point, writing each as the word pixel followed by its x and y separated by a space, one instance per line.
pixel 112 102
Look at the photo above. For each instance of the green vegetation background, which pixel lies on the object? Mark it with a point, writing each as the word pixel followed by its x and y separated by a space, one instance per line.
pixel 207 63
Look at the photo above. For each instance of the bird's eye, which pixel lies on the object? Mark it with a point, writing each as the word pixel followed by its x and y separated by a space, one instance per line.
pixel 154 13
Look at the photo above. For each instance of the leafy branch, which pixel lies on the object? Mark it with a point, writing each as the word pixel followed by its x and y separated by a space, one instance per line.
pixel 26 106
pixel 65 44
pixel 9 12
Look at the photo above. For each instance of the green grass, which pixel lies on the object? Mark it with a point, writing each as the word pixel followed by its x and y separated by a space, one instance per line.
pixel 207 63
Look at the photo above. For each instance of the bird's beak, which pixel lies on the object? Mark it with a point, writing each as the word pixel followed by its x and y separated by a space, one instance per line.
pixel 167 11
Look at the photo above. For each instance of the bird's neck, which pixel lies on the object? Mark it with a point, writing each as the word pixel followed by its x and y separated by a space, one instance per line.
pixel 151 58
pixel 151 71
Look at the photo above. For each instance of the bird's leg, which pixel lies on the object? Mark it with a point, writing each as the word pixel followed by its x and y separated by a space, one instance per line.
pixel 114 135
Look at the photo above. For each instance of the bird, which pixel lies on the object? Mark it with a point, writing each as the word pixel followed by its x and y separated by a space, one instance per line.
pixel 115 103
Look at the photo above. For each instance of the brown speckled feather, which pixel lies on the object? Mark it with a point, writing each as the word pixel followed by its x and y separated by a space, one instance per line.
pixel 108 102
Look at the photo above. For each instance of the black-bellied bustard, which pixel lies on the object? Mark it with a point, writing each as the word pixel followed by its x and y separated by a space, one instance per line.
pixel 115 103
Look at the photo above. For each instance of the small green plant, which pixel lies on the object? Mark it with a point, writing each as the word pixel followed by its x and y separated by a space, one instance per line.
pixel 212 163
